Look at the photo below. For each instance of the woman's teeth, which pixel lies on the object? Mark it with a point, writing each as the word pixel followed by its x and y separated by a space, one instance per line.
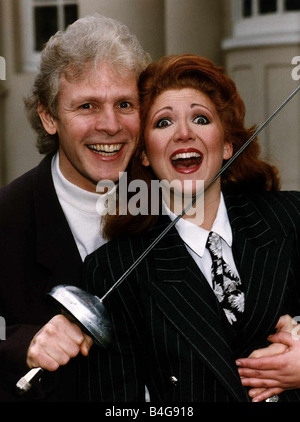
pixel 185 155
pixel 184 160
pixel 105 149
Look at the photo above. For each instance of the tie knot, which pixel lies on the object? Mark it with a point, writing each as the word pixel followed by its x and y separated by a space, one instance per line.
pixel 214 245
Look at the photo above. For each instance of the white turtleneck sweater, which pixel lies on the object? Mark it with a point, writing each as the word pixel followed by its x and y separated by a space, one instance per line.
pixel 79 207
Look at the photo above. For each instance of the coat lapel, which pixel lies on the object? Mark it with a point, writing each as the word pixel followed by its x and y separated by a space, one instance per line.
pixel 184 296
pixel 262 257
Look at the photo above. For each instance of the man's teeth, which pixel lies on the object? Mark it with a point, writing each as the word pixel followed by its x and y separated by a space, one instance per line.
pixel 105 149
pixel 184 155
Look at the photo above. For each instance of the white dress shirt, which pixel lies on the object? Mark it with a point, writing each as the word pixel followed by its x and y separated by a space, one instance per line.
pixel 195 238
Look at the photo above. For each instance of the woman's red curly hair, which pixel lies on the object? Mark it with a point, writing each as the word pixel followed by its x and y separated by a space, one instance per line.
pixel 247 172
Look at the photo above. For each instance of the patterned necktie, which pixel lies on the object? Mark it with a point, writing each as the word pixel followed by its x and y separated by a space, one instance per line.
pixel 226 284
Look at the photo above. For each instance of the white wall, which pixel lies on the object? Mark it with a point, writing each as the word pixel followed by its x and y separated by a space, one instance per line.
pixel 19 140
pixel 145 18
pixel 263 76
pixel 2 99
pixel 194 26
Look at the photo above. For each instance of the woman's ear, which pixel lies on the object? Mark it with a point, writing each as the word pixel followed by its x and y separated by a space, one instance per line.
pixel 145 161
pixel 228 150
pixel 47 120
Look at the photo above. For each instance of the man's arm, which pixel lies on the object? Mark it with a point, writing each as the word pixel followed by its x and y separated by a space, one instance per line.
pixel 275 368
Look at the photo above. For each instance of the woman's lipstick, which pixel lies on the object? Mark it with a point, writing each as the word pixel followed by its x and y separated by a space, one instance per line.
pixel 186 160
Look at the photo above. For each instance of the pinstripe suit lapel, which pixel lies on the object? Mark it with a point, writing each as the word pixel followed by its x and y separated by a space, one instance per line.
pixel 184 296
pixel 262 258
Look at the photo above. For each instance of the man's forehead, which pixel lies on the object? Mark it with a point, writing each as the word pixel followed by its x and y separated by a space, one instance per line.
pixel 95 72
pixel 98 85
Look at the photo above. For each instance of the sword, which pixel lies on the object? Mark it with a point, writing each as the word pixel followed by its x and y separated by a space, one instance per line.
pixel 221 171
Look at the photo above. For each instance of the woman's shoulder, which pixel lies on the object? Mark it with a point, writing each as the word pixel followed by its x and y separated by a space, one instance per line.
pixel 285 199
pixel 287 202
pixel 120 248
pixel 278 208
pixel 123 250
pixel 117 260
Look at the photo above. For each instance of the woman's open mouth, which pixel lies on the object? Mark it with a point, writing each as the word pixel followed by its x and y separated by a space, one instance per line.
pixel 186 160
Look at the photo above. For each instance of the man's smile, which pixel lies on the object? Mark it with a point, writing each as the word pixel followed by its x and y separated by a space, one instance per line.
pixel 106 150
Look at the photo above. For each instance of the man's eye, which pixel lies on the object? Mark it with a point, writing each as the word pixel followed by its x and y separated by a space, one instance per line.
pixel 163 123
pixel 86 106
pixel 125 104
pixel 201 120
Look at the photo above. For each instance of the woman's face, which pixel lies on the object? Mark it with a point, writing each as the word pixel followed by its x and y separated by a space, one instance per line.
pixel 184 137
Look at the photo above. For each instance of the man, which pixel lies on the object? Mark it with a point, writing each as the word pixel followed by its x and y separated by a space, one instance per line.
pixel 84 107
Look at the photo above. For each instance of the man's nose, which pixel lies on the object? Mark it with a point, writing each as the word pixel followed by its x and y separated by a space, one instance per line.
pixel 108 121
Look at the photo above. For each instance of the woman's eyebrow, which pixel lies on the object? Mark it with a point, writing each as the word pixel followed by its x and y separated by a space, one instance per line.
pixel 200 105
pixel 167 108
pixel 170 108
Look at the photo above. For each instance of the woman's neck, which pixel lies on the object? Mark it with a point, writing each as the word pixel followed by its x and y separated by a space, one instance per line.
pixel 209 208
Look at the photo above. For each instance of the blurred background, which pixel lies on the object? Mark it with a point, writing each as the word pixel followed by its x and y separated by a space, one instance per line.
pixel 257 41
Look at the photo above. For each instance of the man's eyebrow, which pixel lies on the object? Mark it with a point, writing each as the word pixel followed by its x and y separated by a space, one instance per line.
pixel 99 99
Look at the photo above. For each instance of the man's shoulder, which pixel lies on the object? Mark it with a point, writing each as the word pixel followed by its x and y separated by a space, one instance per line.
pixel 17 196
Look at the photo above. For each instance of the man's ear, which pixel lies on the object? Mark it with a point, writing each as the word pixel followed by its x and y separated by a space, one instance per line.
pixel 228 150
pixel 47 120
pixel 145 161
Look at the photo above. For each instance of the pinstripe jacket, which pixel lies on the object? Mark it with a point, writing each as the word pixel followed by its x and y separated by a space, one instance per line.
pixel 169 331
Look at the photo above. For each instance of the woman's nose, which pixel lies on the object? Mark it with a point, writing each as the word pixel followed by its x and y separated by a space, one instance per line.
pixel 184 132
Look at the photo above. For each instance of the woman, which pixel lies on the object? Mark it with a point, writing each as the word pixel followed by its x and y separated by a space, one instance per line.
pixel 176 329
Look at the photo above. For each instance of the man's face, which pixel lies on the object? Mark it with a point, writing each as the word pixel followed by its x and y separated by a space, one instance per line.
pixel 98 125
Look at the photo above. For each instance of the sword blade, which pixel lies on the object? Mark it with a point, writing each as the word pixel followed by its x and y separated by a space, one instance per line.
pixel 220 172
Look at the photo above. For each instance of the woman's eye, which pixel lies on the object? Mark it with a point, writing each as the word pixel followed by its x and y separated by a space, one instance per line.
pixel 163 123
pixel 201 120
